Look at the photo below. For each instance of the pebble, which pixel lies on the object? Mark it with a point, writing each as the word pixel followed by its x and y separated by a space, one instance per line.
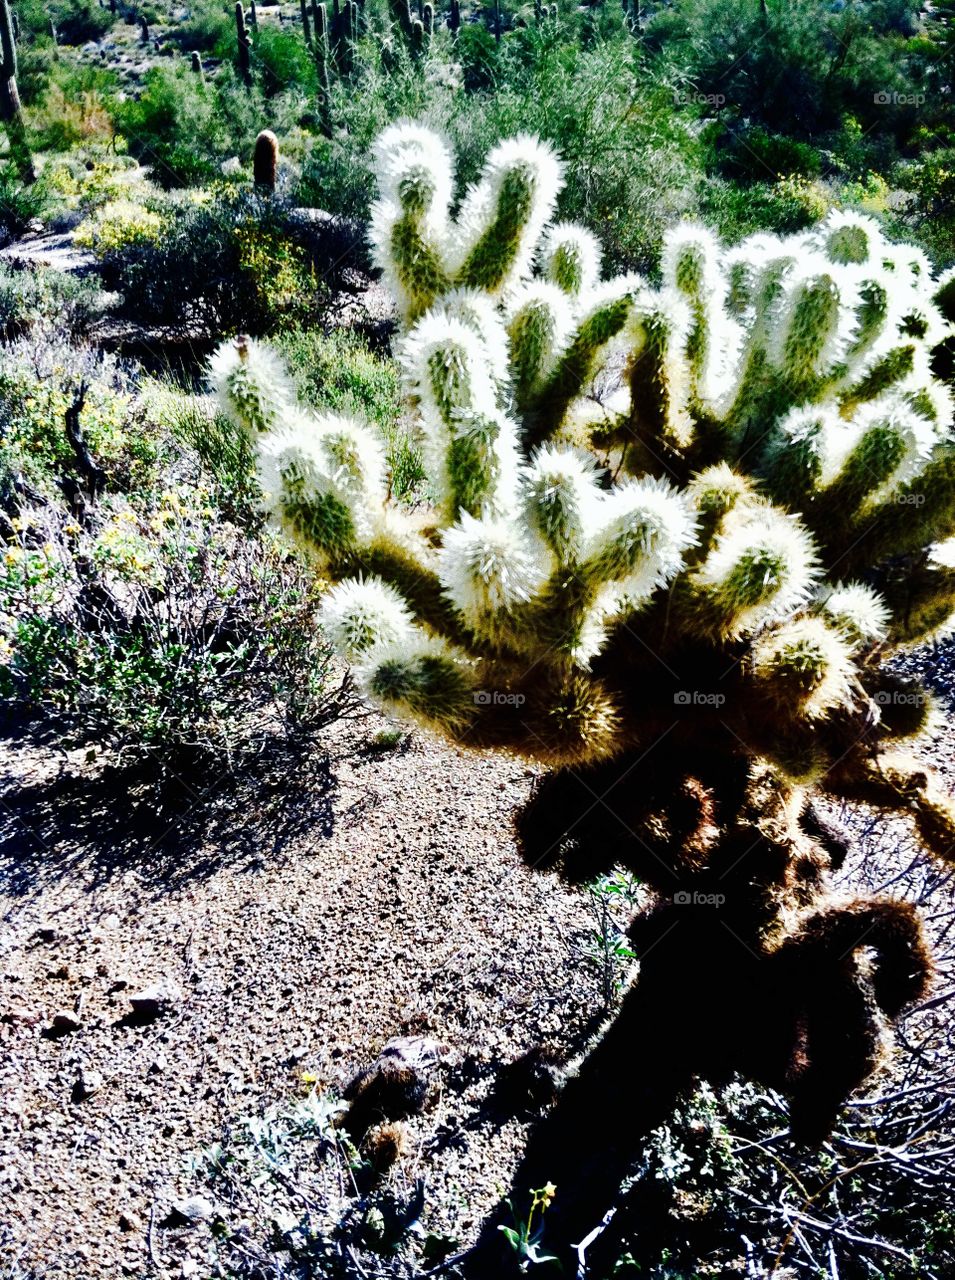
pixel 64 1021
pixel 87 1083
pixel 157 998
pixel 194 1209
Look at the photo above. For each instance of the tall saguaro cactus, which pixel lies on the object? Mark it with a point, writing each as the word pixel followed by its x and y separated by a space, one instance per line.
pixel 10 106
pixel 676 532
pixel 244 43
pixel 322 54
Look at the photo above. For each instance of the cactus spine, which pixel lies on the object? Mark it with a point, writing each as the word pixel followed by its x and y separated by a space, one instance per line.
pixel 690 581
pixel 10 107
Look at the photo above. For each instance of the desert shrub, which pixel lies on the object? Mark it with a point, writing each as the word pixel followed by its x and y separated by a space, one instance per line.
pixel 478 53
pixel 739 209
pixel 209 28
pixel 226 465
pixel 232 260
pixel 120 224
pixel 28 298
pixel 756 154
pixel 79 21
pixel 19 204
pixel 72 108
pixel 282 61
pixel 929 183
pixel 794 68
pixel 41 376
pixel 183 126
pixel 631 158
pixel 160 635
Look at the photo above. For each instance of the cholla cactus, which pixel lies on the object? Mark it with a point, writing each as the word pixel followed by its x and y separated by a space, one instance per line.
pixel 676 530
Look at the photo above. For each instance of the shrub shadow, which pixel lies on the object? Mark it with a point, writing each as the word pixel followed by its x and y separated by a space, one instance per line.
pixel 99 822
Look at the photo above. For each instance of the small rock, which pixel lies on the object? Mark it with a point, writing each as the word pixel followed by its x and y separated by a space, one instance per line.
pixel 158 998
pixel 129 1222
pixel 64 1021
pixel 87 1083
pixel 193 1209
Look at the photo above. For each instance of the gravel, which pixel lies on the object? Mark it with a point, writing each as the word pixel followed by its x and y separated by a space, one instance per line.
pixel 208 966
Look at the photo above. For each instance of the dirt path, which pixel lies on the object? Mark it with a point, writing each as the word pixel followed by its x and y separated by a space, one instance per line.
pixel 382 897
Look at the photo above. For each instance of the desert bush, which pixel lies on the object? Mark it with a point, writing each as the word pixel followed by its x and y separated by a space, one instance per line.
pixel 739 209
pixel 637 494
pixel 160 635
pixel 283 62
pixel 79 21
pixel 209 28
pixel 41 375
pixel 929 183
pixel 793 68
pixel 118 225
pixel 632 162
pixel 19 204
pixel 231 260
pixel 183 126
pixel 72 107
pixel 30 298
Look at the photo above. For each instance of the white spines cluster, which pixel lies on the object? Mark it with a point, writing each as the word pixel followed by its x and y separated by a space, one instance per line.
pixel 615 468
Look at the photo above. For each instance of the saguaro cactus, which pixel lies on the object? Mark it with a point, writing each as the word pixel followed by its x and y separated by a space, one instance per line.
pixel 10 107
pixel 244 43
pixel 683 577
pixel 306 25
pixel 321 51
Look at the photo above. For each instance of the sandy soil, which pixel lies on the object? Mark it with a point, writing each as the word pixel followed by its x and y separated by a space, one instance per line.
pixel 301 931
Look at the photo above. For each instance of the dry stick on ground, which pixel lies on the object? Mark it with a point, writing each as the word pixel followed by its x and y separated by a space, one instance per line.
pixel 93 474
